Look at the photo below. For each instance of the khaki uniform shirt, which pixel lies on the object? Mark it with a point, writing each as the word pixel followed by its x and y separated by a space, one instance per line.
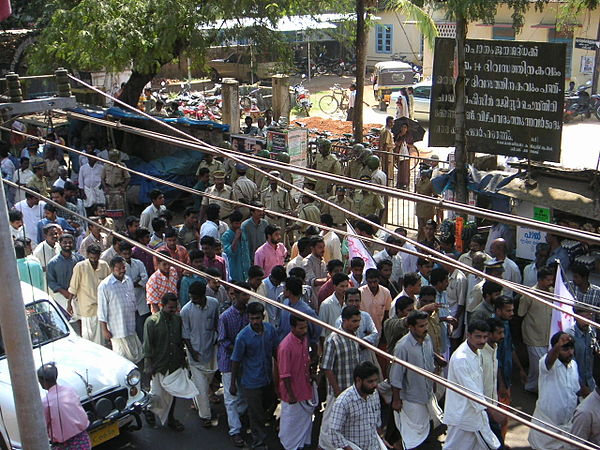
pixel 354 169
pixel 329 164
pixel 245 189
pixel 40 185
pixel 366 203
pixel 424 210
pixel 278 201
pixel 84 285
pixel 339 218
pixel 115 176
pixel 227 193
pixel 212 168
pixel 308 212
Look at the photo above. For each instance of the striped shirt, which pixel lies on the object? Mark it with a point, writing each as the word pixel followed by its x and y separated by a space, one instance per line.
pixel 341 356
pixel 117 306
pixel 354 420
pixel 159 285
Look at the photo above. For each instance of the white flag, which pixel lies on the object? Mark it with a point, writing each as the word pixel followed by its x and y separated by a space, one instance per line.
pixel 356 249
pixel 560 320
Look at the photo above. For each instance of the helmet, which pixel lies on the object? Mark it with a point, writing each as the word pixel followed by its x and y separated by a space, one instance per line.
pixel 324 144
pixel 264 154
pixel 373 162
pixel 357 149
pixel 225 144
pixel 283 157
pixel 114 155
pixel 367 152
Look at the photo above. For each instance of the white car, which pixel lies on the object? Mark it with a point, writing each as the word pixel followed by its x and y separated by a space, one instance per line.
pixel 108 384
pixel 422 95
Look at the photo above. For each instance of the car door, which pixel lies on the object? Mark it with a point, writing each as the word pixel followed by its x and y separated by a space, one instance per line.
pixel 422 95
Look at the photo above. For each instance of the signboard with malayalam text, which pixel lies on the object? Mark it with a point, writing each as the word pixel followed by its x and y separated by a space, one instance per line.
pixel 587 44
pixel 514 97
pixel 528 238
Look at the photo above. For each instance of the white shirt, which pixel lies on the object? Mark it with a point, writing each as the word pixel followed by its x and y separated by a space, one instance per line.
pixel 489 363
pixel 530 274
pixel 31 217
pixel 351 99
pixel 60 182
pixel 511 273
pixel 21 177
pixel 90 176
pixel 209 228
pixel 17 233
pixel 333 247
pixel 148 214
pixel 465 369
pixel 137 272
pixel 409 262
pixel 558 387
pixel 396 263
pixel 44 253
pixel 456 293
pixel 296 262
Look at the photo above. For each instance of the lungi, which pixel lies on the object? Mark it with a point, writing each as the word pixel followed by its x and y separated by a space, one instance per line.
pixel 381 445
pixel 128 347
pixel 413 421
pixel 93 196
pixel 164 387
pixel 90 330
pixel 202 375
pixel 325 434
pixel 542 441
pixel 459 439
pixel 80 441
pixel 295 424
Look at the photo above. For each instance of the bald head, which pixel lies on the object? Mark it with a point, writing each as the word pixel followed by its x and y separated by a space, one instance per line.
pixel 498 249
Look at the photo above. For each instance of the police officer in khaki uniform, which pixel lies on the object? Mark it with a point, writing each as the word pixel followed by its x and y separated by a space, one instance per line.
pixel 38 180
pixel 212 164
pixel 221 190
pixel 114 182
pixel 355 165
pixel 307 210
pixel 326 162
pixel 366 202
pixel 276 198
pixel 339 199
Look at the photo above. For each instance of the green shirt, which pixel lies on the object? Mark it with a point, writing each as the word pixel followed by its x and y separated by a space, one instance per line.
pixel 163 344
pixel 393 330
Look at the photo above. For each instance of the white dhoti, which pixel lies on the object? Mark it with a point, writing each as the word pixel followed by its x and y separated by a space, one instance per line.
pixel 90 330
pixel 542 441
pixel 202 375
pixel 413 421
pixel 295 424
pixel 93 196
pixel 534 353
pixel 459 439
pixel 164 387
pixel 128 347
pixel 381 445
pixel 325 433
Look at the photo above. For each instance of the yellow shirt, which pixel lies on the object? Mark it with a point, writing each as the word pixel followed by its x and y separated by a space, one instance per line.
pixel 536 323
pixel 84 285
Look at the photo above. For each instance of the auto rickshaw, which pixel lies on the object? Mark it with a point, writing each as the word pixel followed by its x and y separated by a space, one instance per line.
pixel 388 77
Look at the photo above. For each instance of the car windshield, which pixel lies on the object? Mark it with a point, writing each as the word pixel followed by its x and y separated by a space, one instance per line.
pixel 45 324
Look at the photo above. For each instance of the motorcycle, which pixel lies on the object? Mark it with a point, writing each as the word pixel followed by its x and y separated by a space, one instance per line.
pixel 301 97
pixel 580 104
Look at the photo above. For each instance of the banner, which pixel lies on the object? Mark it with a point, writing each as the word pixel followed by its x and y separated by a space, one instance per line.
pixel 560 320
pixel 356 249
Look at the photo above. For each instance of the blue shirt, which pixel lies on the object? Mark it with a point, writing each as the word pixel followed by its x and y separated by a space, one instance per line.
pixel 184 287
pixel 239 259
pixel 584 355
pixel 60 270
pixel 59 221
pixel 273 292
pixel 254 351
pixel 504 354
pixel 231 322
pixel 562 254
pixel 284 326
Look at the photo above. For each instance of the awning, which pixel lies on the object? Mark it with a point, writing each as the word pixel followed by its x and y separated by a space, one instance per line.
pixel 554 192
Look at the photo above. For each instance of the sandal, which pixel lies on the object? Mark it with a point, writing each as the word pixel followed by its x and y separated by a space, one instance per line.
pixel 237 440
pixel 206 423
pixel 175 425
pixel 150 418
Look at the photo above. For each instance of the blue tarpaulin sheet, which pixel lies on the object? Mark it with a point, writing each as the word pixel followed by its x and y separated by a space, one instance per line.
pixel 122 114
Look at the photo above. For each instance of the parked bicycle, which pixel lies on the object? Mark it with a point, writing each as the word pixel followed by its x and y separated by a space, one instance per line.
pixel 338 100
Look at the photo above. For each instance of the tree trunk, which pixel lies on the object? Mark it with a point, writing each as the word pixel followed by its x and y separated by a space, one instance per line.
pixel 135 86
pixel 361 63
pixel 460 152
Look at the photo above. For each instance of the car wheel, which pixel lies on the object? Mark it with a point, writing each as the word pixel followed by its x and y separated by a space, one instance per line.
pixel 382 105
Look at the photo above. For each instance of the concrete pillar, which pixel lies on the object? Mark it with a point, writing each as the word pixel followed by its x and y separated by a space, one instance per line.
pixel 281 97
pixel 231 104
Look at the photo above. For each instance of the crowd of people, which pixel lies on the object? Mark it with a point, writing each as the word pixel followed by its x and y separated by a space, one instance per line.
pixel 204 324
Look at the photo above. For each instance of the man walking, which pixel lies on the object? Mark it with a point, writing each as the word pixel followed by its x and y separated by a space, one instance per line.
pixel 413 400
pixel 253 353
pixel 231 323
pixel 272 253
pixel 116 312
pixel 295 388
pixel 83 288
pixel 153 210
pixel 200 318
pixel 60 270
pixel 165 362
